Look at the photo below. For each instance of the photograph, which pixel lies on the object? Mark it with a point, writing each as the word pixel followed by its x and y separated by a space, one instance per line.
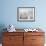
pixel 26 14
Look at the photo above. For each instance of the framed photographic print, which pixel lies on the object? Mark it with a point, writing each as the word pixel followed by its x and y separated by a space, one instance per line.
pixel 26 14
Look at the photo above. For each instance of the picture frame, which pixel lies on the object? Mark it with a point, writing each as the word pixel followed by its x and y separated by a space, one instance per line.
pixel 26 14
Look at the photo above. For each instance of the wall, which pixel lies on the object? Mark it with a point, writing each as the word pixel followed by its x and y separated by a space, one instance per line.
pixel 9 13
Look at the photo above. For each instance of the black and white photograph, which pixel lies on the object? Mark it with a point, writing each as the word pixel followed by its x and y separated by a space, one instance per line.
pixel 26 14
